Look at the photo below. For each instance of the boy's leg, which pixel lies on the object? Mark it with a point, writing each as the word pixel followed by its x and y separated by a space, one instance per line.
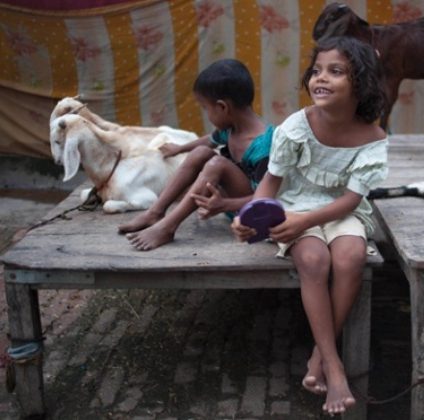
pixel 182 179
pixel 312 259
pixel 217 170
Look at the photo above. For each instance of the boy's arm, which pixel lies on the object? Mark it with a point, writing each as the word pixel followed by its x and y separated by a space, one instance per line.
pixel 215 203
pixel 172 149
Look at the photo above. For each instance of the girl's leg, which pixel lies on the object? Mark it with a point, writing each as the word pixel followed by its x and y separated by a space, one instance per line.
pixel 348 256
pixel 182 179
pixel 313 260
pixel 217 171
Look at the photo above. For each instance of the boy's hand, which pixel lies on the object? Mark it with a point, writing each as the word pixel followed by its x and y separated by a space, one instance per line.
pixel 211 205
pixel 241 232
pixel 290 229
pixel 170 149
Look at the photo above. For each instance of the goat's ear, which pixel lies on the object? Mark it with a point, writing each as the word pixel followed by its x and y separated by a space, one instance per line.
pixel 71 156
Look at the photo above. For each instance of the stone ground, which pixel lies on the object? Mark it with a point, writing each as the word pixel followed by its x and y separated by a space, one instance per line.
pixel 180 355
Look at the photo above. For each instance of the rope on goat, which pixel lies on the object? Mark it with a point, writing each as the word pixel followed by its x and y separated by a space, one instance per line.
pixel 90 204
pixel 92 201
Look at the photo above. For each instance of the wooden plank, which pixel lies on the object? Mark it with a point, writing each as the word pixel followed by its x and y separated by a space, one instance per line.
pixel 401 221
pixel 356 351
pixel 403 225
pixel 24 325
pixel 416 281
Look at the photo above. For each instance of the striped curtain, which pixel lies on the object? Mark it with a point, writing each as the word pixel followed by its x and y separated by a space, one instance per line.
pixel 135 63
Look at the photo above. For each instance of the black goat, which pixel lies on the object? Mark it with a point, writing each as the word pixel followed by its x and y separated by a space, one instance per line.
pixel 400 46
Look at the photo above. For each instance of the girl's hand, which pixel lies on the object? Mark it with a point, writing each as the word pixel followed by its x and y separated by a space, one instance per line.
pixel 294 225
pixel 211 205
pixel 170 149
pixel 241 232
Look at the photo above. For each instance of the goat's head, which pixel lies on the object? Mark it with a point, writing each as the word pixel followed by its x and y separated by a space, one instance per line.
pixel 338 19
pixel 67 105
pixel 65 135
pixel 57 139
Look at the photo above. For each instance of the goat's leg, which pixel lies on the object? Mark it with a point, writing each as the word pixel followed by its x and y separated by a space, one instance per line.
pixel 142 199
pixel 392 88
pixel 116 206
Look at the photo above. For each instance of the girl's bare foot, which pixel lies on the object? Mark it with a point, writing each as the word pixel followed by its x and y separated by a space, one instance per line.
pixel 141 221
pixel 314 380
pixel 339 397
pixel 150 238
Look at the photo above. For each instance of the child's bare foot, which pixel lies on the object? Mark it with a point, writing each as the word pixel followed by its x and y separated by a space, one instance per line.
pixel 150 238
pixel 144 219
pixel 314 380
pixel 339 397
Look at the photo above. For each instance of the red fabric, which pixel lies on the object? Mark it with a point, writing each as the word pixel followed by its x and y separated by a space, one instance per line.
pixel 62 4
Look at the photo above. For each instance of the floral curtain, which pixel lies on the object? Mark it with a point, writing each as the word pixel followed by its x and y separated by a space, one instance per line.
pixel 135 62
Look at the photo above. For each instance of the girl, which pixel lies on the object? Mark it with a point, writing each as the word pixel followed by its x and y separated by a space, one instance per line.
pixel 324 159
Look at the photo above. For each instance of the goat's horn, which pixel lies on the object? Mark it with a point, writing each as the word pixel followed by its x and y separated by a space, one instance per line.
pixel 62 124
pixel 76 110
pixel 77 98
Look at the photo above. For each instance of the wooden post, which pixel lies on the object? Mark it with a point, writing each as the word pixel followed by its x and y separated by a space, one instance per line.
pixel 356 348
pixel 416 284
pixel 24 324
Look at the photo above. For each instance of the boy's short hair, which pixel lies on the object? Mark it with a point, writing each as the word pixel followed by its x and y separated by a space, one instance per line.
pixel 365 73
pixel 226 79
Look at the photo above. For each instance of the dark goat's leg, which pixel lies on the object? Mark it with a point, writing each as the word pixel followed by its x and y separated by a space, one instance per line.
pixel 392 88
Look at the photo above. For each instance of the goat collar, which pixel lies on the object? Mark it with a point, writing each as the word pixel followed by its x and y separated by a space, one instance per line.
pixel 118 158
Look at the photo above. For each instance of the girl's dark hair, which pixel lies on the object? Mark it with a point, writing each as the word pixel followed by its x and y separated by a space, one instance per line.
pixel 365 73
pixel 226 79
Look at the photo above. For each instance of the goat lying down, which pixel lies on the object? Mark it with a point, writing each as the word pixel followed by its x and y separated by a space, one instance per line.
pixel 400 46
pixel 123 162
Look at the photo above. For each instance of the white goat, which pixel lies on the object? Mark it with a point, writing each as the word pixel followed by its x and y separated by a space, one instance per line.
pixel 124 163
pixel 130 140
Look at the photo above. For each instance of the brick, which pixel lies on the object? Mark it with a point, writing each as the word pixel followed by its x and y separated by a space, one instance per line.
pixel 133 396
pixel 278 387
pixel 280 408
pixel 228 408
pixel 227 385
pixel 253 402
pixel 110 386
pixel 278 369
pixel 185 373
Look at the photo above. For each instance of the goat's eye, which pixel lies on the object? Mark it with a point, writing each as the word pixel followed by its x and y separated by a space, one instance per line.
pixel 67 109
pixel 57 142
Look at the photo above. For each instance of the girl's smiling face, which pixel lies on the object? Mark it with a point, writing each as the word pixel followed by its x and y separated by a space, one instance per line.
pixel 330 84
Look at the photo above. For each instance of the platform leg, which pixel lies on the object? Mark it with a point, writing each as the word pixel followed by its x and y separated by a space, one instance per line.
pixel 356 349
pixel 416 284
pixel 25 326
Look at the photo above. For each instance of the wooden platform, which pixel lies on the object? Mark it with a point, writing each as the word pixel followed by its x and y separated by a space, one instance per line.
pixel 402 220
pixel 85 251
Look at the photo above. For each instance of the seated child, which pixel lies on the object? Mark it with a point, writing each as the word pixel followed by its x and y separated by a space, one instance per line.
pixel 219 182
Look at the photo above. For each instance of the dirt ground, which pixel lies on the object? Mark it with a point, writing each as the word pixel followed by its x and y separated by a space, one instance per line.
pixel 183 355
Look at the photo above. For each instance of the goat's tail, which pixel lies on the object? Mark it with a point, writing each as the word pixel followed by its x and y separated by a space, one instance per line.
pixel 411 190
